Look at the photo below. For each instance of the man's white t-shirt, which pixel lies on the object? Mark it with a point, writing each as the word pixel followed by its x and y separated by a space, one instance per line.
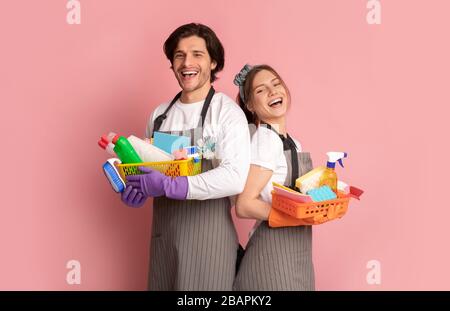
pixel 226 122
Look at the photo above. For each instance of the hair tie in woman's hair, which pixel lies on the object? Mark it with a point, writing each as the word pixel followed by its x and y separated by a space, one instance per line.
pixel 239 79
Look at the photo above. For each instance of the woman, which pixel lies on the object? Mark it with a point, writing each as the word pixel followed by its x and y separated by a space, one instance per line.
pixel 275 258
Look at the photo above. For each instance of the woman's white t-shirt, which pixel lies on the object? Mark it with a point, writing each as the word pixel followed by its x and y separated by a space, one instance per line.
pixel 267 152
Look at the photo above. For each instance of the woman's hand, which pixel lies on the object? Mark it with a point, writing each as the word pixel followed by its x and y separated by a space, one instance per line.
pixel 248 204
pixel 279 219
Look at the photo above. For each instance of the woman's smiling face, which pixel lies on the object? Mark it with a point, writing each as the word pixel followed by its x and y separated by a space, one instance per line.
pixel 270 99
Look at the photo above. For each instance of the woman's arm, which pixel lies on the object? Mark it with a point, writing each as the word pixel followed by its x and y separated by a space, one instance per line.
pixel 248 204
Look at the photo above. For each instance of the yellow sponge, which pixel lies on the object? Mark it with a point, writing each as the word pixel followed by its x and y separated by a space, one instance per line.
pixel 310 180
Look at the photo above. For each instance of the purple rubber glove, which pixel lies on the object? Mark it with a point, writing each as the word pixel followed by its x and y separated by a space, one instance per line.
pixel 155 184
pixel 133 197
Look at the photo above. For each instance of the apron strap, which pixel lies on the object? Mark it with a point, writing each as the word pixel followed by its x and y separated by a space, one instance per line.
pixel 206 106
pixel 294 159
pixel 288 144
pixel 160 119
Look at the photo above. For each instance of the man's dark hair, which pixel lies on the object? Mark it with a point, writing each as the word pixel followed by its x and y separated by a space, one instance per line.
pixel 213 44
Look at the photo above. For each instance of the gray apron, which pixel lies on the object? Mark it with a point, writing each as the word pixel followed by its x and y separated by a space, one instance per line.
pixel 194 242
pixel 279 259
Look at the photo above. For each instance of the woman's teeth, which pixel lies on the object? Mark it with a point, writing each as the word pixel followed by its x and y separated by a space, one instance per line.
pixel 275 102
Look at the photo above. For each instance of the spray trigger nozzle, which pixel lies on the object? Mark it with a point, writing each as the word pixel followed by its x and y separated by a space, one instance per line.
pixel 334 157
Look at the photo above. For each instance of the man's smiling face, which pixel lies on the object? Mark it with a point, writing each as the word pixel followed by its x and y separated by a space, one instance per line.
pixel 192 64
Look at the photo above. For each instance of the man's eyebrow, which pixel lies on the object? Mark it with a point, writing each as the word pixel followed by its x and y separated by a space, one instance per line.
pixel 263 83
pixel 194 51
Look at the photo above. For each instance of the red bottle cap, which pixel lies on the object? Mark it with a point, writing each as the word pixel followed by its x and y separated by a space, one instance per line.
pixel 115 139
pixel 102 143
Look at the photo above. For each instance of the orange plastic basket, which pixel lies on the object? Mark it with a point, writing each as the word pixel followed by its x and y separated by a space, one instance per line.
pixel 318 212
pixel 169 168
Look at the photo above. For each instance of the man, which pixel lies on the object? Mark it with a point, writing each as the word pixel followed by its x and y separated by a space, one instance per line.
pixel 194 242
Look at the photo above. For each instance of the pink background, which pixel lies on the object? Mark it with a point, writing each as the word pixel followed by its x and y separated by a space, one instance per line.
pixel 378 92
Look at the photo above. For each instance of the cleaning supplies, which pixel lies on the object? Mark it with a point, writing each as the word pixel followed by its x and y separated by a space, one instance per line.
pixel 169 143
pixel 143 148
pixel 291 194
pixel 352 191
pixel 322 175
pixel 147 152
pixel 180 154
pixel 125 150
pixel 192 152
pixel 113 176
pixel 109 147
pixel 329 176
pixel 322 194
pixel 310 180
pixel 105 142
pixel 186 153
pixel 121 146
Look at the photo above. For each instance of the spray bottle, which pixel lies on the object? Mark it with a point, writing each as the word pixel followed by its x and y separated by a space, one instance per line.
pixel 329 176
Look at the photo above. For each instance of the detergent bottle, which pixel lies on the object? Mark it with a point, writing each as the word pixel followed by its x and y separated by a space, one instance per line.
pixel 148 152
pixel 125 150
pixel 329 176
pixel 121 147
